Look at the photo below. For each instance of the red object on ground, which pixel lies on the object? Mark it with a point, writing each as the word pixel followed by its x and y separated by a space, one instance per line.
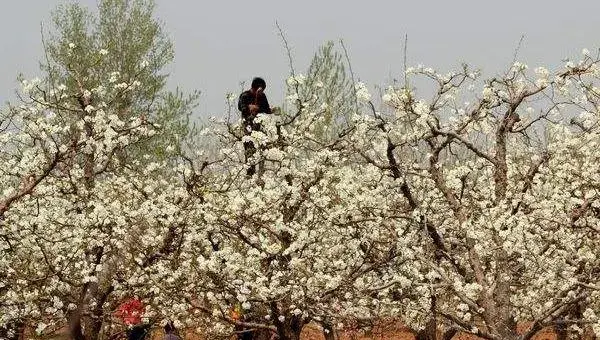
pixel 130 311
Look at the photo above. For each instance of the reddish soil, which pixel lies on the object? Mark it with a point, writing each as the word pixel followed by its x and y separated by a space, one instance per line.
pixel 395 331
pixel 390 331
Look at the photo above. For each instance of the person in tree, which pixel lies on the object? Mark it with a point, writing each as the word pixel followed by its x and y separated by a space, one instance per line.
pixel 251 103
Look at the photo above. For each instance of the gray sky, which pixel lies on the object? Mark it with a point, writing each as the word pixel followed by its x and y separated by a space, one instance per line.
pixel 219 44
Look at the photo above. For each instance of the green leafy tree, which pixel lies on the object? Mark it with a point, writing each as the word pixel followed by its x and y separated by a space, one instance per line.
pixel 120 42
pixel 330 90
pixel 99 116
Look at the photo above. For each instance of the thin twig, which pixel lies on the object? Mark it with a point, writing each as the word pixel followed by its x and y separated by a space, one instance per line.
pixel 405 60
pixel 287 48
pixel 517 49
pixel 351 75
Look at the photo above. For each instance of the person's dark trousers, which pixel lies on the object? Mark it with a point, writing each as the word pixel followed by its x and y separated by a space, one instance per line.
pixel 249 148
pixel 249 151
pixel 138 332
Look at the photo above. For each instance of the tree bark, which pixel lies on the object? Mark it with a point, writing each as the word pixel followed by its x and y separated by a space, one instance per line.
pixel 328 331
pixel 561 332
pixel 12 331
pixel 429 332
pixel 93 323
pixel 290 329
pixel 449 334
pixel 75 329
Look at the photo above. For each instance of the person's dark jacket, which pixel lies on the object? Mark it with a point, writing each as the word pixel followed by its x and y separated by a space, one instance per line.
pixel 247 98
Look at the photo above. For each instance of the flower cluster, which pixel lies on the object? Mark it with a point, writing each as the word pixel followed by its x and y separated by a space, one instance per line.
pixel 448 206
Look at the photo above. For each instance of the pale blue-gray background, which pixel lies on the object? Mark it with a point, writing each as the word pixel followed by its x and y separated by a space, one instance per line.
pixel 219 44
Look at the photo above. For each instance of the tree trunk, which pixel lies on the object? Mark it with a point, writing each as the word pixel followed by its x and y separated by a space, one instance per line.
pixel 93 324
pixel 430 331
pixel 449 334
pixel 12 331
pixel 93 328
pixel 75 329
pixel 290 329
pixel 561 332
pixel 588 332
pixel 328 331
pixel 262 334
pixel 508 329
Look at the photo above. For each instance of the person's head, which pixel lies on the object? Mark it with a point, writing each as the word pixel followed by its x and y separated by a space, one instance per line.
pixel 258 83
pixel 169 327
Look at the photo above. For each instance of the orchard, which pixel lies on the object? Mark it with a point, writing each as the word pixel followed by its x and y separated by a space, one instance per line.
pixel 466 205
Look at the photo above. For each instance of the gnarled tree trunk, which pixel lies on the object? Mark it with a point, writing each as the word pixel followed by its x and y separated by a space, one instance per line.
pixel 12 331
pixel 290 329
pixel 328 331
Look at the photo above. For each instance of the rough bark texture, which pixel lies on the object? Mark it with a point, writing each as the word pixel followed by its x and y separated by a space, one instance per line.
pixel 328 332
pixel 12 331
pixel 289 329
pixel 561 332
pixel 449 334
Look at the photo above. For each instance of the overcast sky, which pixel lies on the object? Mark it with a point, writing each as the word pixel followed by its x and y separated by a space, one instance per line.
pixel 219 44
